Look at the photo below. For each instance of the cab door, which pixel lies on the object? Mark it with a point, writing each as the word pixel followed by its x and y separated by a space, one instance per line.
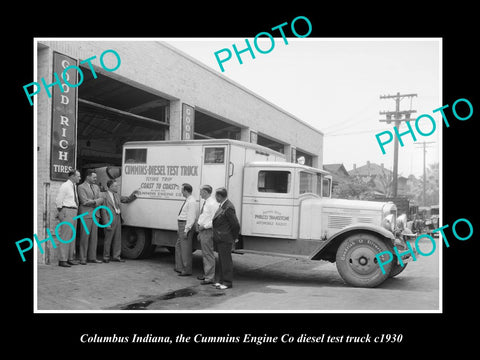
pixel 267 205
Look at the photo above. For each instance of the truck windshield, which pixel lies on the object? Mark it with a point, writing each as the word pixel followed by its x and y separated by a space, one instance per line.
pixel 326 187
pixel 310 183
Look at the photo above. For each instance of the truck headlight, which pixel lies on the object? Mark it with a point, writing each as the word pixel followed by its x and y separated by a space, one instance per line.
pixel 389 217
pixel 388 222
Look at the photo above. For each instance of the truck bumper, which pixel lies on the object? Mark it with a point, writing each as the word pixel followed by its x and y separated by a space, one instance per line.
pixel 405 250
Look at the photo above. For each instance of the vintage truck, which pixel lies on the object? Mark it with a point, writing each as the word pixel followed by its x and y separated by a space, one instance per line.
pixel 284 208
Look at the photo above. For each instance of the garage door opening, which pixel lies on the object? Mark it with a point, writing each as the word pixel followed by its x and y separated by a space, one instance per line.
pixel 209 127
pixel 110 113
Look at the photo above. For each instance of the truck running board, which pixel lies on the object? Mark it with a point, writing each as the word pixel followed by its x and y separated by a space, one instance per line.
pixel 292 256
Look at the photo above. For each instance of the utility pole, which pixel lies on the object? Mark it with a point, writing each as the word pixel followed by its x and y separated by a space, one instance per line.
pixel 424 145
pixel 397 117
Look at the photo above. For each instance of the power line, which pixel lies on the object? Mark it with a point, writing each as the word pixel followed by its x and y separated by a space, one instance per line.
pixel 353 119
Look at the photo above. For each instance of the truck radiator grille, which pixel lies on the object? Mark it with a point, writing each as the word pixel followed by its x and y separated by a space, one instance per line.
pixel 339 222
pixel 365 220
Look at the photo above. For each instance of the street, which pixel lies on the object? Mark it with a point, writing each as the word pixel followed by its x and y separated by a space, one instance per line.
pixel 263 283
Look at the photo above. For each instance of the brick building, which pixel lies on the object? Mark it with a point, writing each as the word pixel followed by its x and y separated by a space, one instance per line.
pixel 146 97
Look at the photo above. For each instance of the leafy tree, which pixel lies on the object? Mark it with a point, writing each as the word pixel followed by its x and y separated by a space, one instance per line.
pixel 384 182
pixel 352 188
pixel 432 186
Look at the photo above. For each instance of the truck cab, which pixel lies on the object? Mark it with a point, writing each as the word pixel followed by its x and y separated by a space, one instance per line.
pixel 287 210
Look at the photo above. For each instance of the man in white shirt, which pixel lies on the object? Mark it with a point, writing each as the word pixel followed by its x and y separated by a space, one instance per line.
pixel 67 206
pixel 186 220
pixel 205 233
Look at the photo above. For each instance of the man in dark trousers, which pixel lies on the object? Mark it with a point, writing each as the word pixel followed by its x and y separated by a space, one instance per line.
pixel 113 232
pixel 186 222
pixel 90 198
pixel 225 231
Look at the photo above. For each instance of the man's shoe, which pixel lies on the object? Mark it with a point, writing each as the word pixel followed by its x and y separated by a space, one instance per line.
pixel 106 260
pixel 83 262
pixel 216 284
pixel 223 287
pixel 63 264
pixel 118 259
pixel 184 274
pixel 201 277
pixel 178 271
pixel 72 262
pixel 206 282
pixel 94 261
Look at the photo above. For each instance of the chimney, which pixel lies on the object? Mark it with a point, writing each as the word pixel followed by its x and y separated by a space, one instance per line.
pixel 354 167
pixel 382 166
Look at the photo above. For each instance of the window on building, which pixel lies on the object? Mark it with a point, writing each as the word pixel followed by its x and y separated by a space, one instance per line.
pixel 214 155
pixel 135 156
pixel 274 181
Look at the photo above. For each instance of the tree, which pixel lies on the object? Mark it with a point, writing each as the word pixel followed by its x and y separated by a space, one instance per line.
pixel 384 182
pixel 432 186
pixel 352 188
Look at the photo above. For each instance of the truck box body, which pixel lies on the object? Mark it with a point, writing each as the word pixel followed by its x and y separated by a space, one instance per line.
pixel 158 169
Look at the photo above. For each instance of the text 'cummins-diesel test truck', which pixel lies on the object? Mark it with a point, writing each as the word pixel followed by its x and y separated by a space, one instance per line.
pixel 284 208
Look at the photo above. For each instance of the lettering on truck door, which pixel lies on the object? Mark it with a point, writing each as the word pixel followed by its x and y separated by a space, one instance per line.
pixel 268 203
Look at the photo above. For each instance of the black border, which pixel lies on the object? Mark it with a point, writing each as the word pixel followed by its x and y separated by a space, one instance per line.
pixel 456 25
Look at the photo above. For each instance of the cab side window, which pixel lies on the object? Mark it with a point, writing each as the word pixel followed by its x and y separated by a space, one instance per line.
pixel 274 181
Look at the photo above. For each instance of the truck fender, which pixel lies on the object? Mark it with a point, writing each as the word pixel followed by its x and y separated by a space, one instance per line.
pixel 328 248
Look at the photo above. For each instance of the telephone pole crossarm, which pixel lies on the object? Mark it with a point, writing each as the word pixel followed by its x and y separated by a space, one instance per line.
pixel 397 96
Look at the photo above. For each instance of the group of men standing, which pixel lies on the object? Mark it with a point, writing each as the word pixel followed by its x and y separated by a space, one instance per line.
pixel 73 200
pixel 217 226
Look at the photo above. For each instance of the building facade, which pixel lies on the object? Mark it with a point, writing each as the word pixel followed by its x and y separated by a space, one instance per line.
pixel 141 90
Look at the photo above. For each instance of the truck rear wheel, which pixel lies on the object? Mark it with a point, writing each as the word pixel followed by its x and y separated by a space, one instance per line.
pixel 357 263
pixel 136 243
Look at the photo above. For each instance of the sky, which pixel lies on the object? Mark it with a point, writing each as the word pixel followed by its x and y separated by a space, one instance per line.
pixel 335 84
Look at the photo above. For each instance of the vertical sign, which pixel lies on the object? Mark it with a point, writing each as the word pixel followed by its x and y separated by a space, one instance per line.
pixel 188 120
pixel 293 154
pixel 64 117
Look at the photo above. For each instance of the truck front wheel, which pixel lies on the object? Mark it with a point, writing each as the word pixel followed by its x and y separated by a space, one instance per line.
pixel 357 263
pixel 136 243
